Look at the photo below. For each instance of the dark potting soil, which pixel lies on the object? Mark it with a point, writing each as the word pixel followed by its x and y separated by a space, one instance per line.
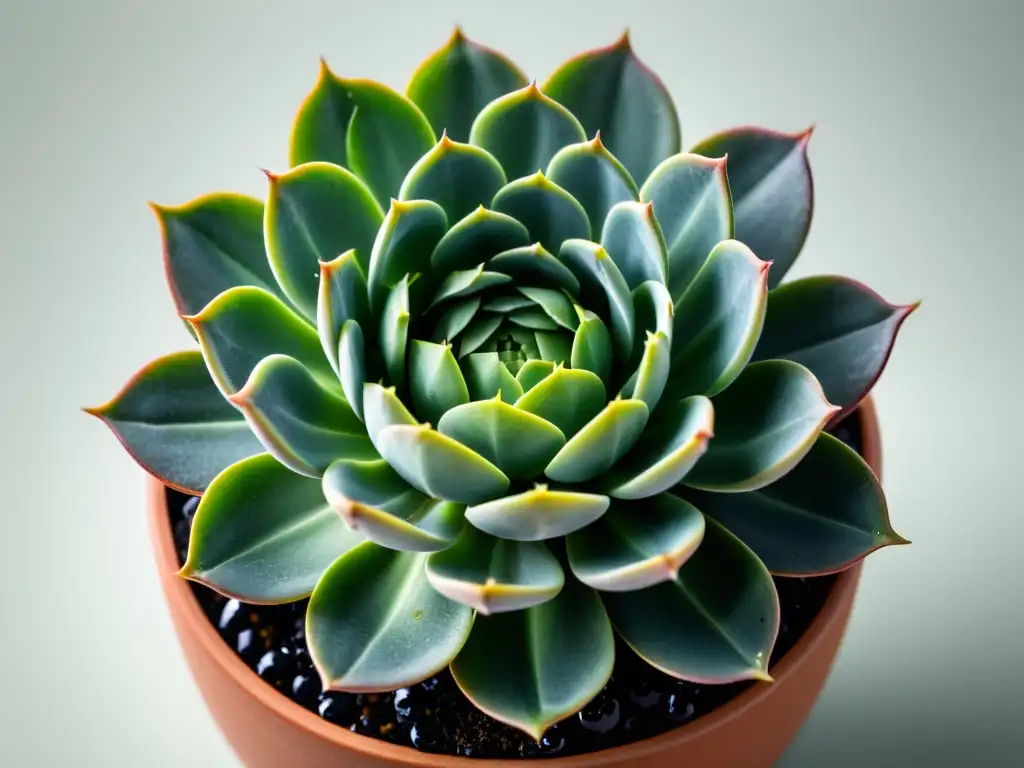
pixel 434 716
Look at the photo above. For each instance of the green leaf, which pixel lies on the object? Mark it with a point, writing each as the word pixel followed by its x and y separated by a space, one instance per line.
pixel 495 575
pixel 534 319
pixel 533 265
pixel 839 329
pixel 604 288
pixel 533 373
pixel 636 545
pixel 765 423
pixel 555 346
pixel 455 319
pixel 352 357
pixel 383 408
pixel 375 624
pixel 549 213
pixel 263 534
pixel 439 466
pixel 468 283
pixel 487 376
pixel 555 304
pixel 537 515
pixel 612 91
pixel 475 239
pixel 403 245
pixel 524 130
pixel 435 380
pixel 394 332
pixel 517 442
pixel 386 136
pixel 508 303
pixel 772 191
pixel 553 659
pixel 716 623
pixel 300 423
pixel 718 320
pixel 670 449
pixel 653 308
pixel 176 424
pixel 826 514
pixel 568 398
pixel 592 175
pixel 213 243
pixel 457 81
pixel 592 348
pixel 651 376
pixel 633 239
pixel 693 205
pixel 315 213
pixel 243 325
pixel 321 125
pixel 603 441
pixel 477 333
pixel 342 298
pixel 373 499
pixel 459 177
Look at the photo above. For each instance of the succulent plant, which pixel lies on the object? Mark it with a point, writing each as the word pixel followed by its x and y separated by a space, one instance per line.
pixel 497 370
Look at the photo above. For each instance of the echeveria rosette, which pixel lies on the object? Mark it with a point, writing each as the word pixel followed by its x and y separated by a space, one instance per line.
pixel 498 365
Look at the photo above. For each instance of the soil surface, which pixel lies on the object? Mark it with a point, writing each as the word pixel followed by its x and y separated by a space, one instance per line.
pixel 434 716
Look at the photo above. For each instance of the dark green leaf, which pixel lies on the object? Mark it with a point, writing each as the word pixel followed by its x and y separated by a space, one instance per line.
pixel 604 289
pixel 459 177
pixel 772 191
pixel 592 175
pixel 555 304
pixel 555 346
pixel 487 376
pixel 263 534
pixel 468 283
pixel 456 318
pixel 403 246
pixel 435 380
pixel 477 333
pixel 475 239
pixel 533 265
pixel 533 373
pixel 549 213
pixel 592 348
pixel 320 130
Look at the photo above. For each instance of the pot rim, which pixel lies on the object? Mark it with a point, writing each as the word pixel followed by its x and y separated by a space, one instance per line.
pixel 287 710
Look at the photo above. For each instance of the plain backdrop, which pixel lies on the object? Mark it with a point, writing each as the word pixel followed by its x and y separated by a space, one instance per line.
pixel 918 172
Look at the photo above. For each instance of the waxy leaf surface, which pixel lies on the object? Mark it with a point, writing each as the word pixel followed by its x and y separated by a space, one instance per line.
pixel 568 398
pixel 342 297
pixel 459 177
pixel 592 175
pixel 403 246
pixel 600 443
pixel 537 515
pixel 320 130
pixel 549 213
pixel 475 239
pixel 633 238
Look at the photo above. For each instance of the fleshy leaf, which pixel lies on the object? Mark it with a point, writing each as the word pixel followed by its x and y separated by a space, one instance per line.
pixel 568 398
pixel 634 240
pixel 508 303
pixel 468 283
pixel 693 205
pixel 765 423
pixel 383 408
pixel 610 90
pixel 495 575
pixel 487 376
pixel 352 365
pixel 671 447
pixel 603 441
pixel 375 624
pixel 772 191
pixel 459 177
pixel 213 243
pixel 243 325
pixel 458 80
pixel 439 466
pixel 477 333
pixel 386 136
pixel 174 421
pixel 394 331
pixel 263 534
pixel 456 318
pixel 651 376
pixel 555 657
pixel 435 380
pixel 603 286
pixel 549 213
pixel 533 318
pixel 537 515
pixel 475 239
pixel 715 623
pixel 823 516
pixel 533 373
pixel 373 499
pixel 592 348
pixel 839 329
pixel 524 129
pixel 555 304
pixel 300 423
pixel 316 212
pixel 517 442
pixel 636 545
pixel 592 175
pixel 718 320
pixel 653 308
pixel 342 297
pixel 403 245
pixel 533 265
pixel 320 129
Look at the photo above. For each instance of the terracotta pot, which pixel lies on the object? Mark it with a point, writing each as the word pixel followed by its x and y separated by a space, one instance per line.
pixel 266 729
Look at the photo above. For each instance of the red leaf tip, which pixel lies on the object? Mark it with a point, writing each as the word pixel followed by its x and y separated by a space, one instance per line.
pixel 624 43
pixel 271 176
pixel 804 137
